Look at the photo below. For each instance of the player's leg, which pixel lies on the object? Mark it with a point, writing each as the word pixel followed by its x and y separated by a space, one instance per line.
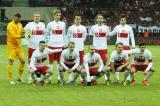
pixel 61 74
pixel 30 52
pixel 33 76
pixel 21 69
pixel 147 75
pixel 107 69
pixel 10 64
pixel 132 73
pixel 11 56
pixel 83 76
pixel 77 72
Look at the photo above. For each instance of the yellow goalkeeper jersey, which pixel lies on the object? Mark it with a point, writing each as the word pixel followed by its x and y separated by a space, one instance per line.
pixel 14 32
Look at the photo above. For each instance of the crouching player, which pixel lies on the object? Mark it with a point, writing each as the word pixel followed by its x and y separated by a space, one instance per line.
pixel 91 61
pixel 37 63
pixel 119 62
pixel 69 62
pixel 141 54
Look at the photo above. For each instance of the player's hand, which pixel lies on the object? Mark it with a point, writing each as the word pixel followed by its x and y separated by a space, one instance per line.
pixel 88 83
pixel 146 72
pixel 119 68
pixel 70 71
pixel 133 47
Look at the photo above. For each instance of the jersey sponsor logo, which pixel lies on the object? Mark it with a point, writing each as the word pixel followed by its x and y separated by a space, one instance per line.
pixel 123 35
pixel 140 59
pixel 41 59
pixel 57 32
pixel 77 35
pixel 37 32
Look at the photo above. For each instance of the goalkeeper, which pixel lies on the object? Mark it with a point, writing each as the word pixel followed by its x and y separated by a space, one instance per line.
pixel 14 47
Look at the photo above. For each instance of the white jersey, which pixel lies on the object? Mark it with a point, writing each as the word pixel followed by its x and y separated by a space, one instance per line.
pixel 38 58
pixel 100 36
pixel 77 34
pixel 117 58
pixel 37 33
pixel 140 58
pixel 92 61
pixel 69 58
pixel 124 34
pixel 56 32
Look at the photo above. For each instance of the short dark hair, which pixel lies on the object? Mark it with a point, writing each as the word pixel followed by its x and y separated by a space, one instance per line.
pixel 18 15
pixel 142 44
pixel 42 41
pixel 99 15
pixel 71 43
pixel 122 16
pixel 119 43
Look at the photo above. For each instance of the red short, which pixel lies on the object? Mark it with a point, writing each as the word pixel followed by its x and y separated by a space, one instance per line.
pixel 81 54
pixel 93 71
pixel 30 52
pixel 139 67
pixel 103 54
pixel 69 65
pixel 42 69
pixel 55 56
pixel 116 66
pixel 126 47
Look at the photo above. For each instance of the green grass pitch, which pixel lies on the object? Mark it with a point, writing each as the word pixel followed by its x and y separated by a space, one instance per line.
pixel 68 95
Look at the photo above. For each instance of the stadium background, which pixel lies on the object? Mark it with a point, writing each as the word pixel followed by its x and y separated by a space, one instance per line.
pixel 142 15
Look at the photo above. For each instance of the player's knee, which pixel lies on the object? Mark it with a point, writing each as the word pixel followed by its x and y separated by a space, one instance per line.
pixel 32 71
pixel 61 68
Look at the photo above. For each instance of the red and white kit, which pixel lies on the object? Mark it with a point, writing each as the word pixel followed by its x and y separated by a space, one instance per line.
pixel 56 32
pixel 90 64
pixel 77 34
pixel 100 39
pixel 69 60
pixel 37 35
pixel 124 35
pixel 119 59
pixel 38 58
pixel 139 61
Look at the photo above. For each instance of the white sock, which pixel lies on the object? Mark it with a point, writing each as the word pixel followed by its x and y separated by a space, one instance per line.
pixel 129 77
pixel 29 74
pixel 70 77
pixel 51 67
pixel 105 77
pixel 116 75
pixel 58 76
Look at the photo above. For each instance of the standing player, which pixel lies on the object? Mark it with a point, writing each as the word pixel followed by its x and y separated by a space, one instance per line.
pixel 56 32
pixel 36 29
pixel 141 54
pixel 69 62
pixel 100 32
pixel 77 33
pixel 124 34
pixel 37 63
pixel 14 47
pixel 119 62
pixel 91 60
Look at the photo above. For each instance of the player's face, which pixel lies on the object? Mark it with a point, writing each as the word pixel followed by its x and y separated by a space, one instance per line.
pixel 71 47
pixel 123 21
pixel 57 16
pixel 16 20
pixel 100 19
pixel 119 48
pixel 37 17
pixel 142 48
pixel 77 20
pixel 42 46
pixel 92 50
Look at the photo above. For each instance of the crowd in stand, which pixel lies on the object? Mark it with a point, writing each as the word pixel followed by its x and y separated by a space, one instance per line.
pixel 141 12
